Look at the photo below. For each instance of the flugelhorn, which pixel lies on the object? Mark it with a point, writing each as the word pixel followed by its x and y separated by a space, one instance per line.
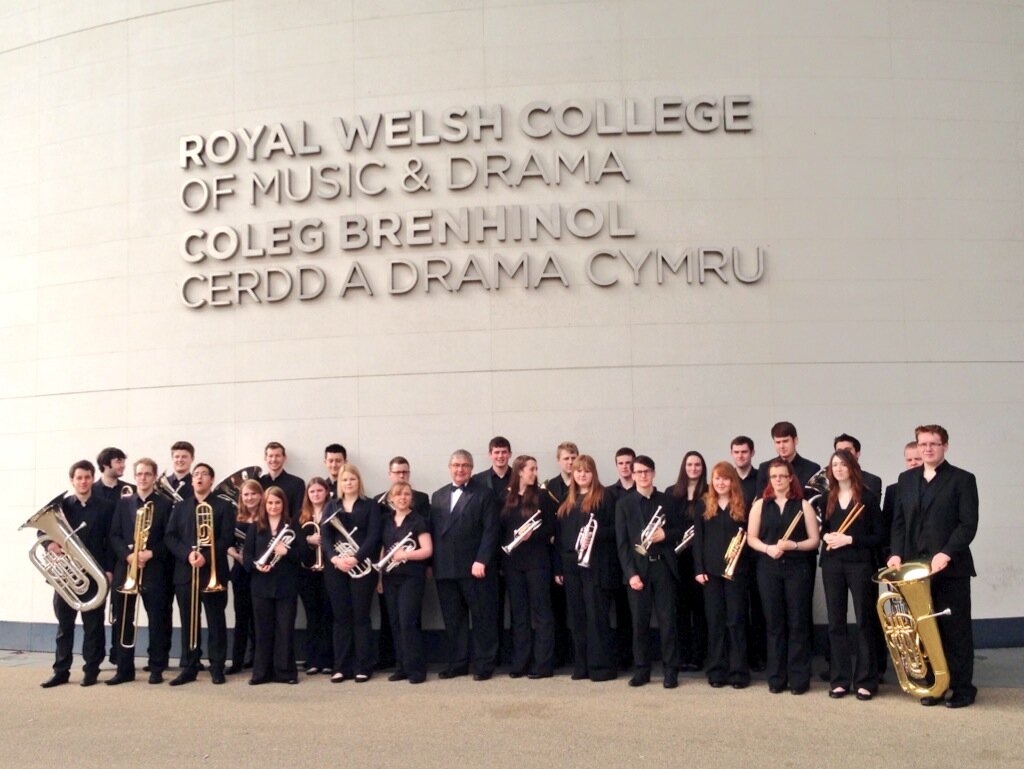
pixel 733 553
pixel 388 562
pixel 318 559
pixel 528 526
pixel 911 629
pixel 349 548
pixel 73 572
pixel 684 543
pixel 585 542
pixel 133 580
pixel 647 535
pixel 284 537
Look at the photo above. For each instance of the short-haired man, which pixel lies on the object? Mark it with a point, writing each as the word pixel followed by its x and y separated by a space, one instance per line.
pixel 652 577
pixel 847 442
pixel 935 519
pixel 499 450
pixel 623 623
pixel 785 439
pixel 151 576
pixel 742 452
pixel 293 486
pixel 464 528
pixel 335 456
pixel 180 475
pixel 82 506
pixel 565 455
pixel 111 463
pixel 624 469
pixel 181 542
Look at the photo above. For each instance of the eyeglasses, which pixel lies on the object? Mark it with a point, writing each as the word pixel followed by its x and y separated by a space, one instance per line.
pixel 930 445
pixel 778 477
pixel 642 472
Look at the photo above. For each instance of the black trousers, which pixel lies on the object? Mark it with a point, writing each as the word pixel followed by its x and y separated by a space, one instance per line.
pixel 154 598
pixel 623 627
pixel 592 634
pixel 691 621
pixel 92 642
pixel 757 634
pixel 274 656
pixel 351 632
pixel 319 619
pixel 725 606
pixel 403 596
pixel 786 590
pixel 213 605
pixel 245 631
pixel 843 580
pixel 533 624
pixel 954 593
pixel 462 599
pixel 659 594
pixel 386 654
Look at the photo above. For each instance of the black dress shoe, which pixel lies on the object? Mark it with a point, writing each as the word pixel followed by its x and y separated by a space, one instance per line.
pixel 866 696
pixel 398 675
pixel 258 681
pixel 291 681
pixel 184 677
pixel 800 689
pixel 639 679
pixel 156 677
pixel 671 679
pixel 837 694
pixel 417 679
pixel 931 702
pixel 739 685
pixel 482 676
pixel 453 673
pixel 776 689
pixel 55 680
pixel 606 675
pixel 337 678
pixel 516 674
pixel 716 684
pixel 578 675
pixel 119 679
pixel 217 676
pixel 362 678
pixel 90 679
pixel 956 701
pixel 535 676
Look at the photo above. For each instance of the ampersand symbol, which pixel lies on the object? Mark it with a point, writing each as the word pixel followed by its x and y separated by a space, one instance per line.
pixel 412 181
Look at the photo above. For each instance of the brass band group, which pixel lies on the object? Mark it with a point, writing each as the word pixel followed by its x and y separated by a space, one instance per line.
pixel 725 558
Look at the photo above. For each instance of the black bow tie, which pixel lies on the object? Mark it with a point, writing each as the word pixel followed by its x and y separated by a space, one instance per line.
pixel 457 488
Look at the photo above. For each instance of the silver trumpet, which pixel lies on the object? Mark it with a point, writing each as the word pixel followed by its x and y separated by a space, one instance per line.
pixel 284 537
pixel 686 540
pixel 647 535
pixel 585 542
pixel 72 572
pixel 387 564
pixel 528 526
pixel 349 548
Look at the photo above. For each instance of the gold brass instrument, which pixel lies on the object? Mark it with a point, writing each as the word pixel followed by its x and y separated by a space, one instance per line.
pixel 349 548
pixel 733 553
pixel 848 521
pixel 388 563
pixel 231 487
pixel 284 537
pixel 206 537
pixel 684 543
pixel 528 526
pixel 73 572
pixel 585 542
pixel 647 535
pixel 133 580
pixel 911 629
pixel 318 562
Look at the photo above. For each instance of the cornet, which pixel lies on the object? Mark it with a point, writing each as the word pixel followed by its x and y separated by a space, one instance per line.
pixel 528 526
pixel 284 537
pixel 686 540
pixel 647 535
pixel 585 542
pixel 349 548
pixel 733 552
pixel 388 563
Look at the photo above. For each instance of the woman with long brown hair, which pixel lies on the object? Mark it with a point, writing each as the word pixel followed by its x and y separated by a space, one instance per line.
pixel 312 593
pixel 590 589
pixel 250 498
pixel 720 517
pixel 689 490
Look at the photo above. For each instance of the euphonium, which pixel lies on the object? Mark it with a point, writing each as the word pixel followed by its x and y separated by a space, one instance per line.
pixel 73 572
pixel 349 548
pixel 647 535
pixel 585 542
pixel 733 552
pixel 388 562
pixel 284 537
pixel 318 560
pixel 531 524
pixel 816 491
pixel 133 581
pixel 911 629
pixel 206 537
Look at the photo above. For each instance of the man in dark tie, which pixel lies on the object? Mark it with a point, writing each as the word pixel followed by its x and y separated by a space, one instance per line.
pixel 464 528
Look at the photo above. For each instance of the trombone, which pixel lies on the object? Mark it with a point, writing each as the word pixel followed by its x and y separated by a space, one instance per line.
pixel 205 537
pixel 133 581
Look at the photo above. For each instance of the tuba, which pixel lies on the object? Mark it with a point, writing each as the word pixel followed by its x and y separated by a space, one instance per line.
pixel 911 630
pixel 733 553
pixel 73 572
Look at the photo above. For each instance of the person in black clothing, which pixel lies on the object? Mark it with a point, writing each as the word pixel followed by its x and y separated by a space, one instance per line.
pixel 497 475
pixel 350 585
pixel 250 500
pixel 179 478
pixel 785 438
pixel 312 590
pixel 623 624
pixel 405 580
pixel 399 472
pixel 565 455
pixel 558 487
pixel 742 451
pixel 294 488
pixel 721 514
pixel 848 443
pixel 589 588
pixel 528 571
pixel 82 506
pixel 152 584
pixel 335 456
pixel 181 541
pixel 275 589
pixel 847 565
pixel 111 464
pixel 652 577
pixel 689 489
pixel 785 575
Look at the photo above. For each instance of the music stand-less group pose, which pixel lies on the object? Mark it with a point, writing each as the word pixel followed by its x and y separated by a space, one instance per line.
pixel 708 559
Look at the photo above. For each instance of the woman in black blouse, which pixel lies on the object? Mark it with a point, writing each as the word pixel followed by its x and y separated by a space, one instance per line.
pixel 851 527
pixel 250 498
pixel 721 516
pixel 404 582
pixel 312 593
pixel 689 489
pixel 528 572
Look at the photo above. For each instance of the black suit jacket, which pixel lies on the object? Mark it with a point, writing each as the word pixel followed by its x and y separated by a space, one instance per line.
pixel 804 469
pixel 181 538
pixel 294 489
pixel 122 538
pixel 936 517
pixel 466 534
pixel 632 514
pixel 95 535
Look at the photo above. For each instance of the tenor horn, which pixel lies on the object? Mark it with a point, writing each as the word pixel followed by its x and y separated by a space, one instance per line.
pixel 349 547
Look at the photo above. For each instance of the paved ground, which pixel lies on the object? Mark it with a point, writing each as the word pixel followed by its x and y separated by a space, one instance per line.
pixel 499 723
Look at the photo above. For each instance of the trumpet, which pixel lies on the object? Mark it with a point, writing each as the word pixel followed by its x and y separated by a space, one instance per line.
pixel 585 542
pixel 318 562
pixel 72 572
pixel 204 538
pixel 686 540
pixel 133 581
pixel 284 537
pixel 733 552
pixel 387 564
pixel 349 548
pixel 647 535
pixel 528 526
